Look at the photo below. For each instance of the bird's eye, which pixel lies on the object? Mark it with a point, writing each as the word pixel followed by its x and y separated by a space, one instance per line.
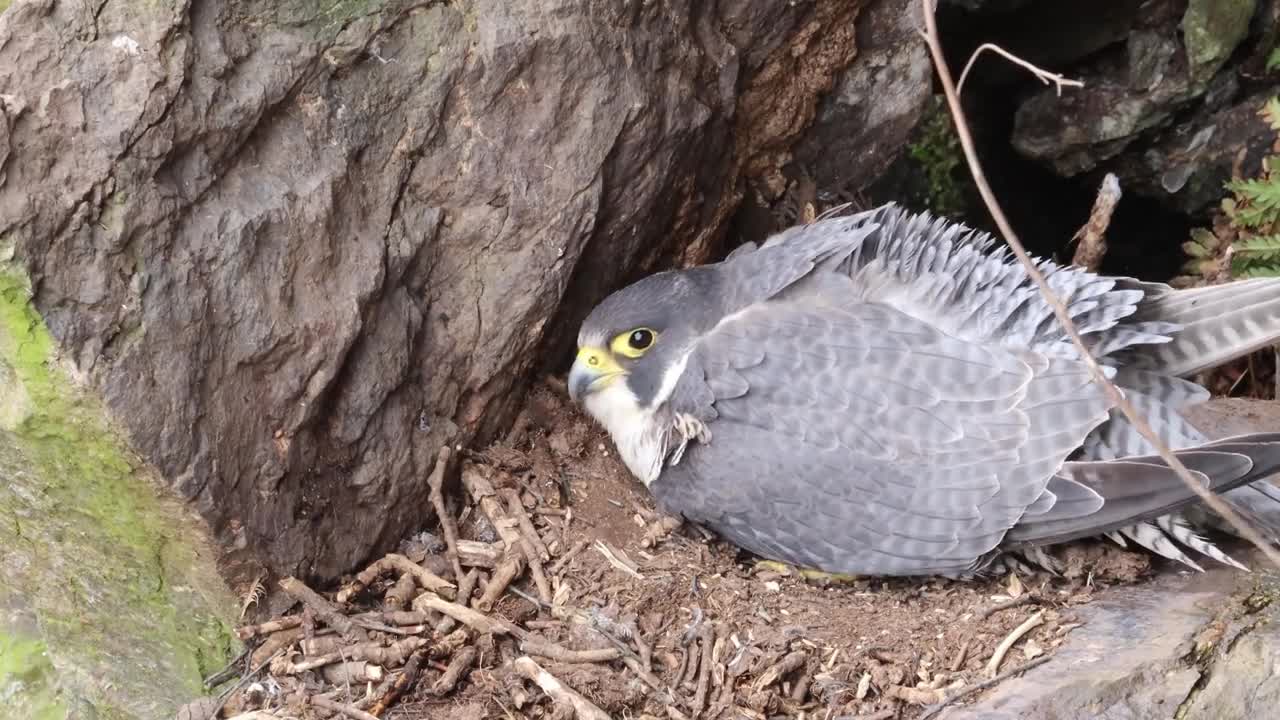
pixel 634 344
pixel 640 339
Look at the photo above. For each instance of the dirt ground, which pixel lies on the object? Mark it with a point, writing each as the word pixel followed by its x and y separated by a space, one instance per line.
pixel 717 636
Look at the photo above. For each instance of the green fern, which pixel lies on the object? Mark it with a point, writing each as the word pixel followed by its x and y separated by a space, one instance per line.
pixel 1273 60
pixel 1258 202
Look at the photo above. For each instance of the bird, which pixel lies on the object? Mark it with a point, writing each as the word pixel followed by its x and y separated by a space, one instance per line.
pixel 888 394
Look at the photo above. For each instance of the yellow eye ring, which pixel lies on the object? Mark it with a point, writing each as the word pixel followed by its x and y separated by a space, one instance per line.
pixel 634 343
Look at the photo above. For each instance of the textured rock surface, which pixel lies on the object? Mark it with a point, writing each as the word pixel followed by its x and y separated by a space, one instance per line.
pixel 1187 645
pixel 1168 107
pixel 297 246
pixel 110 602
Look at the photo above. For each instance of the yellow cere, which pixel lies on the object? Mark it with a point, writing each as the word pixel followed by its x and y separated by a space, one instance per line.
pixel 598 360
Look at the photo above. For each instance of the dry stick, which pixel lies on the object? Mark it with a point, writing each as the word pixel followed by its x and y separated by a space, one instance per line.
pixel 1059 310
pixel 447 524
pixel 459 666
pixel 266 628
pixel 1044 76
pixel 477 621
pixel 404 679
pixel 998 656
pixel 1025 599
pixel 323 609
pixel 972 689
pixel 398 563
pixel 707 637
pixel 1093 236
pixel 559 653
pixel 569 554
pixel 466 586
pixel 961 655
pixel 914 696
pixel 516 508
pixel 334 705
pixel 478 554
pixel 583 708
pixel 511 568
pixel 534 551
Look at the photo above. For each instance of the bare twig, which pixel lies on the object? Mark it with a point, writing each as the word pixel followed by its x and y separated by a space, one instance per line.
pixel 466 586
pixel 1093 236
pixel 511 568
pixel 563 561
pixel 789 663
pixel 459 666
pixel 551 651
pixel 998 656
pixel 323 609
pixel 560 693
pixel 1024 599
pixel 398 563
pixel 707 637
pixel 478 554
pixel 961 655
pixel 477 621
pixel 1116 397
pixel 334 705
pixel 535 551
pixel 407 676
pixel 266 628
pixel 972 689
pixel 914 696
pixel 447 524
pixel 1043 75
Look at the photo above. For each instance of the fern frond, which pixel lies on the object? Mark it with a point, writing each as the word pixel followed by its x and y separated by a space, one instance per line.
pixel 1271 108
pixel 1261 202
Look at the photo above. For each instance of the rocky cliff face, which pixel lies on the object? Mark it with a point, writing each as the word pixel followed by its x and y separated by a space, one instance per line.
pixel 298 246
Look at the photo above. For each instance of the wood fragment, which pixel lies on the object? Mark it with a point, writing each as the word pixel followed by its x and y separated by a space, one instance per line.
pixel 450 644
pixel 477 621
pixel 479 554
pixel 397 653
pixel 1019 601
pixel 961 655
pixel 791 662
pixel 511 568
pixel 399 563
pixel 537 646
pixel 266 628
pixel 458 668
pixel 996 658
pixel 352 671
pixel 323 609
pixel 482 492
pixel 275 642
pixel 466 586
pixel 1093 236
pixel 914 696
pixel 559 693
pixel 525 523
pixel 707 638
pixel 448 526
pixel 973 689
pixel 401 594
pixel 334 705
pixel 404 679
pixel 563 561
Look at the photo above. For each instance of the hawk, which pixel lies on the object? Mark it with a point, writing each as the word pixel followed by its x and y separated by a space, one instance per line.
pixel 889 394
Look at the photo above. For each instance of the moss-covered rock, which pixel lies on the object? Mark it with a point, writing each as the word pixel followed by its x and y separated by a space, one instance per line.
pixel 112 606
pixel 1211 30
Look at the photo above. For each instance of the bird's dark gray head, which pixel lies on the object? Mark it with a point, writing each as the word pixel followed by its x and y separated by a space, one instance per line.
pixel 634 337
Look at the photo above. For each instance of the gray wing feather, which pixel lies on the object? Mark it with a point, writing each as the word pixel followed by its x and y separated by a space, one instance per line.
pixel 917 462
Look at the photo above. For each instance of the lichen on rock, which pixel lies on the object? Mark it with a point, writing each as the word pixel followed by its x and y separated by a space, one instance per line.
pixel 112 604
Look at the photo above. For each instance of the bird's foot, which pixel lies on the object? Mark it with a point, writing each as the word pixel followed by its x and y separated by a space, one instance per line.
pixel 691 428
pixel 660 529
pixel 815 576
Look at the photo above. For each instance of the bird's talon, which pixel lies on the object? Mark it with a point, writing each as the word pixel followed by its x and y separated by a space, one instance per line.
pixel 660 529
pixel 815 576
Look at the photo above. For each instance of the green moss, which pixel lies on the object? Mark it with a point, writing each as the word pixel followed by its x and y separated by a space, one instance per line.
pixel 129 605
pixel 27 689
pixel 4 5
pixel 937 151
pixel 1212 29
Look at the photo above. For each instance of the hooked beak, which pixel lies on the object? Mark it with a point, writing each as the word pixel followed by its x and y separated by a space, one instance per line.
pixel 593 369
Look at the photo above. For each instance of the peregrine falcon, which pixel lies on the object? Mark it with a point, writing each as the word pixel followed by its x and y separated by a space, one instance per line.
pixel 888 394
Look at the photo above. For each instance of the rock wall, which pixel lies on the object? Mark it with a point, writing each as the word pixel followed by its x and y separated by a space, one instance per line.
pixel 298 246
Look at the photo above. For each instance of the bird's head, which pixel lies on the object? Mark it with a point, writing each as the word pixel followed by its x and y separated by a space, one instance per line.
pixel 631 348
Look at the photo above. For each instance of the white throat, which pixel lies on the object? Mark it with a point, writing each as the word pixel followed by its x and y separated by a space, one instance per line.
pixel 640 439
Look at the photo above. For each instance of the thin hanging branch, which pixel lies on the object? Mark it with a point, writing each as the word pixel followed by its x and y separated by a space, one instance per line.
pixel 1043 75
pixel 1060 311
